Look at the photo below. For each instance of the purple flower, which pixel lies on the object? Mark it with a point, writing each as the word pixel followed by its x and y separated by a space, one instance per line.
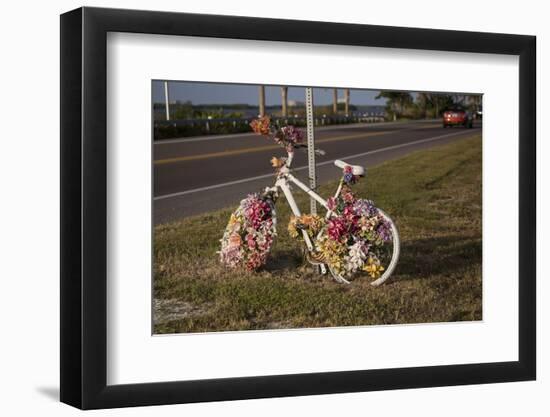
pixel 365 208
pixel 349 178
pixel 384 230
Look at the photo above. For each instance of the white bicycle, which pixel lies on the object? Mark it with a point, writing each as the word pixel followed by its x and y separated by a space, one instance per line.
pixel 354 236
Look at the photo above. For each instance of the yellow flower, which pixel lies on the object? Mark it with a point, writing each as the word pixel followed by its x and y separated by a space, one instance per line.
pixel 373 267
pixel 292 231
pixel 232 220
pixel 333 252
pixel 276 162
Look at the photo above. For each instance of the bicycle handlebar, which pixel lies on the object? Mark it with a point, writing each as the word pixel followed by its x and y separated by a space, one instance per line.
pixel 290 155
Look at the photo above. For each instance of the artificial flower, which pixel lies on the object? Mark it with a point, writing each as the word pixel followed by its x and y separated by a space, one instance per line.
pixel 249 234
pixel 310 223
pixel 373 267
pixel 261 126
pixel 286 136
pixel 353 238
pixel 277 162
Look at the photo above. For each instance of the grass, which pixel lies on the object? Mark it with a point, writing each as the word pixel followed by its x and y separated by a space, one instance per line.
pixel 434 196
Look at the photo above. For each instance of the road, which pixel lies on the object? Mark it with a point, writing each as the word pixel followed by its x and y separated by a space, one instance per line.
pixel 196 175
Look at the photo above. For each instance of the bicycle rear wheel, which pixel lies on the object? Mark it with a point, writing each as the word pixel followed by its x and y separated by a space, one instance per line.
pixel 389 257
pixel 395 251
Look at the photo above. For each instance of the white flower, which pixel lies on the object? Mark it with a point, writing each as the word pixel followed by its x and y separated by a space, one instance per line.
pixel 355 259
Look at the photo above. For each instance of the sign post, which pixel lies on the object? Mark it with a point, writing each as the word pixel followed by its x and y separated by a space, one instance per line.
pixel 311 147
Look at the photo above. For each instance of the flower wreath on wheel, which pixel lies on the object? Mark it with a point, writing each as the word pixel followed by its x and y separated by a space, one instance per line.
pixel 249 234
pixel 352 239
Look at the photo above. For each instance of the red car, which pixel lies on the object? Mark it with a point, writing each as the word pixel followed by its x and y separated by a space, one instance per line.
pixel 457 117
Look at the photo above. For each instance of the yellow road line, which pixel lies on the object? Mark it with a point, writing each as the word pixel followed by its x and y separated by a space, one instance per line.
pixel 265 148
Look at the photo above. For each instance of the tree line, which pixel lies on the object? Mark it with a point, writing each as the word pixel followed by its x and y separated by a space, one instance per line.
pixel 401 105
pixel 398 105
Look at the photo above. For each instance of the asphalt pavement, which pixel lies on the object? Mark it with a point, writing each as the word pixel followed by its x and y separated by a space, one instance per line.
pixel 197 175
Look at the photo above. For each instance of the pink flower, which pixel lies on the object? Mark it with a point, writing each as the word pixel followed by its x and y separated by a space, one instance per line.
pixel 250 241
pixel 249 234
pixel 336 228
pixel 231 256
pixel 254 261
pixel 349 211
pixel 291 134
pixel 348 196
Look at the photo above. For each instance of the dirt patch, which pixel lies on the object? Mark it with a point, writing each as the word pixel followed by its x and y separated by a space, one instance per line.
pixel 172 309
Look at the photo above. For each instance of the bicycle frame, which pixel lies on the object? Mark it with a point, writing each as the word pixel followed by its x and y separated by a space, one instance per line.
pixel 285 177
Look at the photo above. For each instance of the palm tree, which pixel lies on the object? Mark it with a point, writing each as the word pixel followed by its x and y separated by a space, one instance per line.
pixel 261 100
pixel 284 101
pixel 346 101
pixel 335 100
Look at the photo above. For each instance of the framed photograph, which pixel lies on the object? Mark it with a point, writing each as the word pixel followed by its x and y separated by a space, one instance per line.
pixel 258 208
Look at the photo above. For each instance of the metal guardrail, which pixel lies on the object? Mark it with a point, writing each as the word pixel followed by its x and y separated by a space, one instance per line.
pixel 318 121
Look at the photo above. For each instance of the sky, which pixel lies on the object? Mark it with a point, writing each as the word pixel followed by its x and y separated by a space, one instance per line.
pixel 210 93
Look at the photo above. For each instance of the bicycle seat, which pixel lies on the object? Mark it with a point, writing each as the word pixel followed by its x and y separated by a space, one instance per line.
pixel 355 169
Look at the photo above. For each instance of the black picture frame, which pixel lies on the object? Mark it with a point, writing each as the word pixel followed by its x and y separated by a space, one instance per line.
pixel 84 207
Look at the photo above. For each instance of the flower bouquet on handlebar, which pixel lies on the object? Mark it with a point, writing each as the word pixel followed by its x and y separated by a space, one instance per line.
pixel 354 237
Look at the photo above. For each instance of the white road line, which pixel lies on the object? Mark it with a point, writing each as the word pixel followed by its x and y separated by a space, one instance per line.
pixel 358 155
pixel 236 135
pixel 212 187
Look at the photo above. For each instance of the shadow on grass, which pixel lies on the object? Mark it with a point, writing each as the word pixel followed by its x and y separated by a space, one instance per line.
pixel 284 261
pixel 438 256
pixel 444 255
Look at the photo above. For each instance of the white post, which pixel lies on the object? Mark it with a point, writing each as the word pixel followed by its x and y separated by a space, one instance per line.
pixel 166 100
pixel 311 147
